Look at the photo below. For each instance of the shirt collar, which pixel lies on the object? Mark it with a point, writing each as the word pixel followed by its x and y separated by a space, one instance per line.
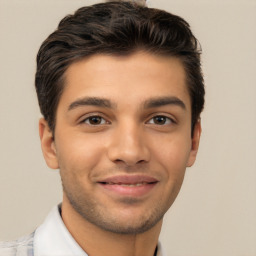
pixel 53 239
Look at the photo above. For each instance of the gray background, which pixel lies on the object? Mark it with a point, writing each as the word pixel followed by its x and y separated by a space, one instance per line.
pixel 215 213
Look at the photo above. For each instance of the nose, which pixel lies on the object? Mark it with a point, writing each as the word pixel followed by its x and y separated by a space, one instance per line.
pixel 128 145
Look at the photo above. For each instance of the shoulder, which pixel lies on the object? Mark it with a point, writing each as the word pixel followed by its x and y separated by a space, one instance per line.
pixel 20 247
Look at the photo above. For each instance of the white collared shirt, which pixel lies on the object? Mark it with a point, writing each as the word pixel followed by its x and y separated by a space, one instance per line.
pixel 60 242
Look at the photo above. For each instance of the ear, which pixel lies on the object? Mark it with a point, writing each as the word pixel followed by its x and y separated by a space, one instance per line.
pixel 48 144
pixel 195 143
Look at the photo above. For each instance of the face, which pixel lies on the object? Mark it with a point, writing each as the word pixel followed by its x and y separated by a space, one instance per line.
pixel 122 139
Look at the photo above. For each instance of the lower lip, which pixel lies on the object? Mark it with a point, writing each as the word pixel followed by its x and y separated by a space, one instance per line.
pixel 129 190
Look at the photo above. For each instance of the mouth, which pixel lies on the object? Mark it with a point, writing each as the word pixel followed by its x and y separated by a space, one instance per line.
pixel 136 185
pixel 127 184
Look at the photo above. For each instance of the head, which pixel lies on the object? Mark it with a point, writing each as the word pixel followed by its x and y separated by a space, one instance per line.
pixel 121 91
pixel 115 28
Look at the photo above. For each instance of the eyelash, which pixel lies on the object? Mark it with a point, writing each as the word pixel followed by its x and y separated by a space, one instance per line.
pixel 94 116
pixel 166 119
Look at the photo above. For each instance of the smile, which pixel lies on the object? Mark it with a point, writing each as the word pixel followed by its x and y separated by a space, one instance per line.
pixel 127 185
pixel 135 186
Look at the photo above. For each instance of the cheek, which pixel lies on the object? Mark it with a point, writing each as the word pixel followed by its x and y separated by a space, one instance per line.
pixel 174 159
pixel 173 156
pixel 78 154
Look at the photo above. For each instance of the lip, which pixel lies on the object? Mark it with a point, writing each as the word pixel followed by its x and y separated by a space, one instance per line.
pixel 129 185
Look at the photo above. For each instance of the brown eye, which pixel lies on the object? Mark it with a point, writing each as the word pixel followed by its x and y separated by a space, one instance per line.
pixel 160 120
pixel 95 120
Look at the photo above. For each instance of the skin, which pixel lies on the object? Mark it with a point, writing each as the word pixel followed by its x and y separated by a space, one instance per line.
pixel 146 131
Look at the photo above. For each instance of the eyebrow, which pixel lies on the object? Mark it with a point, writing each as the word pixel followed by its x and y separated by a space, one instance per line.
pixel 91 101
pixel 162 101
pixel 105 103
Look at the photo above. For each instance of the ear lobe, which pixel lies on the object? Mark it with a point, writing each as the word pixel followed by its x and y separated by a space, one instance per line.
pixel 195 143
pixel 48 144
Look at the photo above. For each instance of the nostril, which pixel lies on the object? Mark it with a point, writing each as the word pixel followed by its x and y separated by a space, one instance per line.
pixel 128 152
pixel 118 161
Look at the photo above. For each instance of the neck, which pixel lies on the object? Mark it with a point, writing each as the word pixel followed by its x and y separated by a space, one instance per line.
pixel 96 241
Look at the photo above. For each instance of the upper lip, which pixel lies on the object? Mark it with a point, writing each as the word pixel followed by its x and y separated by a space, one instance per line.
pixel 129 179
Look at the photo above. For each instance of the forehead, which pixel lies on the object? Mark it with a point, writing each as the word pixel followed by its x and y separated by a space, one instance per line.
pixel 134 78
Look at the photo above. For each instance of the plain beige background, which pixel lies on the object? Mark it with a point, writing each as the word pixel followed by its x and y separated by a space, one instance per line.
pixel 215 213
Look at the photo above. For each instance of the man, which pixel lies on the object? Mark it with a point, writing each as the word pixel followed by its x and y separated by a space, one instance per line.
pixel 121 91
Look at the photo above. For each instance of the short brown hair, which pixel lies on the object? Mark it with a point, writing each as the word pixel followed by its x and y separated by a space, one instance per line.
pixel 117 28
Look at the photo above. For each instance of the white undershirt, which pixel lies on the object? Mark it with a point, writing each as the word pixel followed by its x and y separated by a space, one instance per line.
pixel 53 239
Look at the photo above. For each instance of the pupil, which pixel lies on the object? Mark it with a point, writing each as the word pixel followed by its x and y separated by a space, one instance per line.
pixel 95 120
pixel 160 120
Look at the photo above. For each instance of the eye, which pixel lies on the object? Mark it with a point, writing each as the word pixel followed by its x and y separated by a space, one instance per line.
pixel 160 120
pixel 95 120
